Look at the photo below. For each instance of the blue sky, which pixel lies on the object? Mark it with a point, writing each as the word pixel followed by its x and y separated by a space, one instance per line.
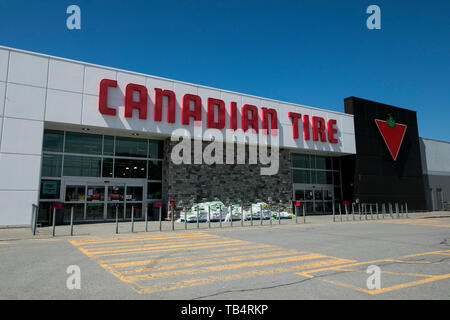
pixel 311 52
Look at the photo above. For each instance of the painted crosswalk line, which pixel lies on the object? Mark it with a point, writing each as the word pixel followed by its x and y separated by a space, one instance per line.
pixel 170 261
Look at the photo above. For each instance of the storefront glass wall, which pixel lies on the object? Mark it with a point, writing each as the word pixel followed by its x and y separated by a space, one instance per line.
pixel 100 176
pixel 316 182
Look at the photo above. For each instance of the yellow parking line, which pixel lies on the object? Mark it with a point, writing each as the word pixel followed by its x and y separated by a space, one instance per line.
pixel 191 258
pixel 94 250
pixel 391 288
pixel 218 268
pixel 175 248
pixel 144 238
pixel 206 262
pixel 165 286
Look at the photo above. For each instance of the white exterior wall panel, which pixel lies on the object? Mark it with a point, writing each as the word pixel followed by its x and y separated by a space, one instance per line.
pixel 40 88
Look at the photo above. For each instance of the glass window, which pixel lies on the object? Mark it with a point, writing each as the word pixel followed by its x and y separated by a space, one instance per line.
pixel 155 149
pixel 301 161
pixel 129 168
pixel 53 141
pixel 107 167
pixel 51 165
pixel 154 170
pixel 95 193
pixel 299 194
pixel 154 190
pixel 327 194
pixel 336 177
pixel 108 145
pixel 129 147
pixel 81 166
pixel 301 176
pixel 83 143
pixel 313 177
pixel 322 177
pixel 336 164
pixel 115 193
pixel 75 193
pixel 323 162
pixel 318 195
pixel 50 189
pixel 134 193
pixel 337 193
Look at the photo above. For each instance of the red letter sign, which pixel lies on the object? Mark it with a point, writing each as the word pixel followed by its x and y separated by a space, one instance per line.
pixel 233 116
pixel 319 129
pixel 210 123
pixel 274 123
pixel 103 97
pixel 246 122
pixel 306 127
pixel 187 113
pixel 130 104
pixel 332 131
pixel 159 94
pixel 294 116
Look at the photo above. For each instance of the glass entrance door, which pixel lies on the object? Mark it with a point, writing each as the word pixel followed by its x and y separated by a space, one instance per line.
pixel 101 201
pixel 317 199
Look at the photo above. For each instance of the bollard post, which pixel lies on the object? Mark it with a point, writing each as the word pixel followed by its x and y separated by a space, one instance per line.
pixel 146 219
pixel 359 211
pixel 71 221
pixel 231 216
pixel 346 211
pixel 220 218
pixel 401 210
pixel 242 214
pixel 261 213
pixel 160 218
pixel 304 219
pixel 406 209
pixel 296 214
pixel 117 218
pixel 334 219
pixel 251 214
pixel 353 211
pixel 185 218
pixel 376 208
pixel 198 225
pixel 35 218
pixel 53 222
pixel 365 210
pixel 172 217
pixel 371 212
pixel 279 216
pixel 396 210
pixel 132 218
pixel 209 216
pixel 340 212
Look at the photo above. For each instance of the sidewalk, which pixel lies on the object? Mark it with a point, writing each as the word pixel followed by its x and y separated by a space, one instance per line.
pixel 109 229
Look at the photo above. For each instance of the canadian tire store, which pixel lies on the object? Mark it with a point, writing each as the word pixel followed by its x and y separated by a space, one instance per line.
pixel 98 139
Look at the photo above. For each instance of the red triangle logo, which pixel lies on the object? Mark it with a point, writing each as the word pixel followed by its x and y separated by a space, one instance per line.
pixel 393 136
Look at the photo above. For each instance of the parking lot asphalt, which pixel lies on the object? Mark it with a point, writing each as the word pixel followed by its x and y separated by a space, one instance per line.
pixel 317 260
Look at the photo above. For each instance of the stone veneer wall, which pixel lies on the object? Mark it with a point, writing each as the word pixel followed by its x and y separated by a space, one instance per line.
pixel 229 183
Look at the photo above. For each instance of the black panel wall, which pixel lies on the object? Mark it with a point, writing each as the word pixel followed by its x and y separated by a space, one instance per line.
pixel 372 175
